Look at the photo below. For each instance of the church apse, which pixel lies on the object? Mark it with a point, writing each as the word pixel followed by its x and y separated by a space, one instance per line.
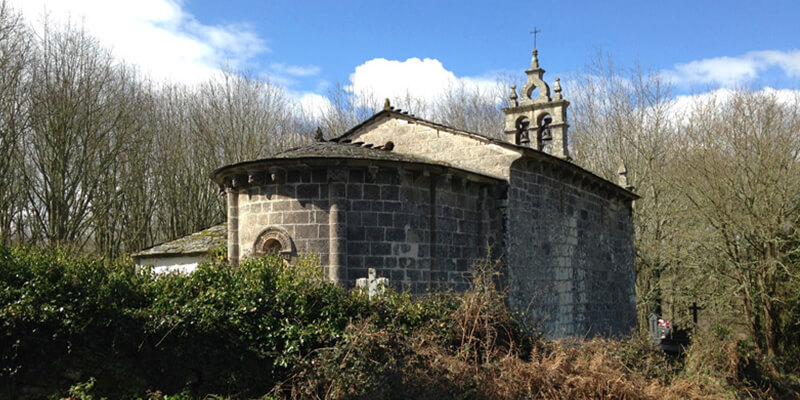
pixel 355 207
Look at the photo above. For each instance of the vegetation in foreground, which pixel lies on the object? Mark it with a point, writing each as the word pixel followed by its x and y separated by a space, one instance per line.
pixel 86 328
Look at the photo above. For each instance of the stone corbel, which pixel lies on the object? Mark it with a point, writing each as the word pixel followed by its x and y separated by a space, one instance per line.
pixel 237 181
pixel 255 178
pixel 460 184
pixel 446 178
pixel 337 174
pixel 274 174
pixel 225 186
pixel 373 172
pixel 404 175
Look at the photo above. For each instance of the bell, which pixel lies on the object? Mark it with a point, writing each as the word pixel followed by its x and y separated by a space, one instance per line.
pixel 546 135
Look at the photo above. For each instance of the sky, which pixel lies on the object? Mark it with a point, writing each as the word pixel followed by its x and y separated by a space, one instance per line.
pixel 422 47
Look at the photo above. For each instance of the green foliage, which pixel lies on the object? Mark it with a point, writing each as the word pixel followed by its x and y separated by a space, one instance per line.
pixel 220 329
pixel 85 328
pixel 82 390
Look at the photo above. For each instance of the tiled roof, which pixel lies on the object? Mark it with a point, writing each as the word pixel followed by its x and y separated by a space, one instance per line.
pixel 339 149
pixel 358 150
pixel 203 241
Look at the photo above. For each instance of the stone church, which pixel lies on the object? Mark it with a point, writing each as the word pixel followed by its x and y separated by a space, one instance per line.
pixel 420 202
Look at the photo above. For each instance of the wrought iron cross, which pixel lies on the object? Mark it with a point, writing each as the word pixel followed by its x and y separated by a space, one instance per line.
pixel 694 309
pixel 534 32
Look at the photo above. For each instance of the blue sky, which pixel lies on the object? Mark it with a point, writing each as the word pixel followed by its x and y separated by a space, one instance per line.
pixel 309 45
pixel 477 38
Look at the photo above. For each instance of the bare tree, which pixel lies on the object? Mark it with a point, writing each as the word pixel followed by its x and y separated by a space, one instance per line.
pixel 122 208
pixel 186 199
pixel 239 118
pixel 472 108
pixel 741 163
pixel 75 113
pixel 15 54
pixel 347 109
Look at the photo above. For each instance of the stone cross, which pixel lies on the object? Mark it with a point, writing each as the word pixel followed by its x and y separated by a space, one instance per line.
pixel 375 286
pixel 534 32
pixel 652 320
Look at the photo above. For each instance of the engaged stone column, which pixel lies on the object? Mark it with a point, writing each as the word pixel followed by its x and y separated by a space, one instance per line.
pixel 232 195
pixel 337 225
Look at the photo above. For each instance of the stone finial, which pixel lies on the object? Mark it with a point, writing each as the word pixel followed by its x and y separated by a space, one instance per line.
pixel 386 105
pixel 513 96
pixel 535 59
pixel 557 90
pixel 622 180
pixel 318 135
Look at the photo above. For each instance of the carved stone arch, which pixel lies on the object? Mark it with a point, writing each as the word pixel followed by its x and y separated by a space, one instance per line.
pixel 541 116
pixel 273 240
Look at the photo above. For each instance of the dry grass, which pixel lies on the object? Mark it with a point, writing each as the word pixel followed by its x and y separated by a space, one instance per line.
pixel 483 354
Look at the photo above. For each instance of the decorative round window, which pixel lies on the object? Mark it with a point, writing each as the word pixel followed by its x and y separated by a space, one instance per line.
pixel 273 240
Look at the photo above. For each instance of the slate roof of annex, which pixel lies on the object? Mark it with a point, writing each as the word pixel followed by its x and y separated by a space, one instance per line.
pixel 196 243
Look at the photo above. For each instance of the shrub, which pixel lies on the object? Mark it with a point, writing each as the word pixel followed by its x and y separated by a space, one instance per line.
pixel 92 328
pixel 221 329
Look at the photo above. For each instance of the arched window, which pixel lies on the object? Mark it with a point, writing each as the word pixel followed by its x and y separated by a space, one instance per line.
pixel 273 240
pixel 272 246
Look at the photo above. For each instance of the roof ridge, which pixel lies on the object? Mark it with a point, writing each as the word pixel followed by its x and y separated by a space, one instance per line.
pixel 407 116
pixel 386 147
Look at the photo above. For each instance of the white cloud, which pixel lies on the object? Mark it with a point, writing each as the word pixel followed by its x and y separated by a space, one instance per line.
pixel 313 105
pixel 157 35
pixel 683 106
pixel 295 70
pixel 735 71
pixel 425 79
pixel 788 61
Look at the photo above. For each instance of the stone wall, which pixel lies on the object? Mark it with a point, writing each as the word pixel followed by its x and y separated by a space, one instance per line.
pixel 296 201
pixel 569 252
pixel 417 228
pixel 468 225
pixel 388 226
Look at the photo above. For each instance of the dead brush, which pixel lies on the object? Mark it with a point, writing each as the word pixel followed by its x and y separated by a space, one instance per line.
pixel 364 363
pixel 482 325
